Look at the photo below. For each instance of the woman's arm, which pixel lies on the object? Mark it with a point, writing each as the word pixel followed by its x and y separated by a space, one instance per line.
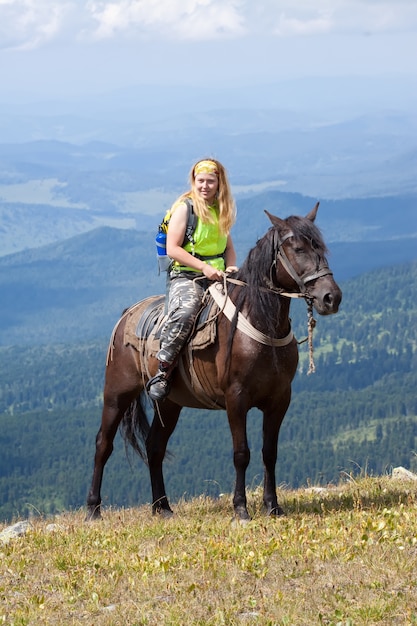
pixel 230 256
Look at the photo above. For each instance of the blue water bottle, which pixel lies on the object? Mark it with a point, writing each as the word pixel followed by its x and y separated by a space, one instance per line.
pixel 161 243
pixel 164 261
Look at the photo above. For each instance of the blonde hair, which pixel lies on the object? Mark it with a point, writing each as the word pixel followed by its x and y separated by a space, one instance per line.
pixel 225 201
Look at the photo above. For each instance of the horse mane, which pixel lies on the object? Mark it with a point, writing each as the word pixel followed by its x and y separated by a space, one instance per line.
pixel 257 268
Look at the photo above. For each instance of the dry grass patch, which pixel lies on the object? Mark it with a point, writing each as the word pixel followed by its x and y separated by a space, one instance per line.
pixel 344 556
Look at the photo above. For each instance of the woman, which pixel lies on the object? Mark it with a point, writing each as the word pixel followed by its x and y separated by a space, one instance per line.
pixel 207 257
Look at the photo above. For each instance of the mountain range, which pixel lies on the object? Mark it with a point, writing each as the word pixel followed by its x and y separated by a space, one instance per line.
pixel 81 194
pixel 78 218
pixel 75 289
pixel 54 185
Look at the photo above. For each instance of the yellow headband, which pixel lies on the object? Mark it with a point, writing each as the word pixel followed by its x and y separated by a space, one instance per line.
pixel 206 167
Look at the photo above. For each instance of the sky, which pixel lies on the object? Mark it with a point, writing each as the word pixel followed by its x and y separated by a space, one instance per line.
pixel 63 48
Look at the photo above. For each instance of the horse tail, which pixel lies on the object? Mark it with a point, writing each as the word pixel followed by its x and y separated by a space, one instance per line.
pixel 135 427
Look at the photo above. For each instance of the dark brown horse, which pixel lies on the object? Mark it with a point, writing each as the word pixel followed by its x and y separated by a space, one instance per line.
pixel 250 362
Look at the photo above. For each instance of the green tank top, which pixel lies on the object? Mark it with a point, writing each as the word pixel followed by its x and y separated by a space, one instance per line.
pixel 208 242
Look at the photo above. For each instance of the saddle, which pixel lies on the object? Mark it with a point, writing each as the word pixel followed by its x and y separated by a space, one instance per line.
pixel 145 319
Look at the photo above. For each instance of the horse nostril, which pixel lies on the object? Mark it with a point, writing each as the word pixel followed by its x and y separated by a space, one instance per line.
pixel 332 300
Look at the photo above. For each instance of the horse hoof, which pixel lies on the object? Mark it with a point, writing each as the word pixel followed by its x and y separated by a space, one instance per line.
pixel 241 516
pixel 164 513
pixel 93 514
pixel 276 512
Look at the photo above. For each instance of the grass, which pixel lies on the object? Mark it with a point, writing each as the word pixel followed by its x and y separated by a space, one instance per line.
pixel 343 556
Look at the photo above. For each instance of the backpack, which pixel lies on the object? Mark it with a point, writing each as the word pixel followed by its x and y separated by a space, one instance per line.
pixel 164 261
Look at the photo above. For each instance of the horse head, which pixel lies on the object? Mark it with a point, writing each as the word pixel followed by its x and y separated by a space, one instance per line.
pixel 300 261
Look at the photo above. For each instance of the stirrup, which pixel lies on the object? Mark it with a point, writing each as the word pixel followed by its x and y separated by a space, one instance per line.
pixel 158 387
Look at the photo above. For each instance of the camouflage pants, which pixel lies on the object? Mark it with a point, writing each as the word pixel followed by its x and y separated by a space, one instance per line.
pixel 184 302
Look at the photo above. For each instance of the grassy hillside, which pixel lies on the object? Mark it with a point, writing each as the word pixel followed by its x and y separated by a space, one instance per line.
pixel 342 556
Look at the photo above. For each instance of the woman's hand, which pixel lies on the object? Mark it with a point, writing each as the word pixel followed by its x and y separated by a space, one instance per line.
pixel 211 272
pixel 230 269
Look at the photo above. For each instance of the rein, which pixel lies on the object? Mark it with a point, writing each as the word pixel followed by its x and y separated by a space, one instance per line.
pixel 302 284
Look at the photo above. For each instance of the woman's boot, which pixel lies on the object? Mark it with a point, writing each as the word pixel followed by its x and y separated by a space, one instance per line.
pixel 158 386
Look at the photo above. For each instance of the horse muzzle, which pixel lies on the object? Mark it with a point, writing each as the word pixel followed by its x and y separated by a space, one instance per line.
pixel 326 301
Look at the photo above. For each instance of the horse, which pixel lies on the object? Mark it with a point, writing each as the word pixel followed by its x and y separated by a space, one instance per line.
pixel 251 362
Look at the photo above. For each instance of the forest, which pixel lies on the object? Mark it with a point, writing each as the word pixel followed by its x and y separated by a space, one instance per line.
pixel 357 414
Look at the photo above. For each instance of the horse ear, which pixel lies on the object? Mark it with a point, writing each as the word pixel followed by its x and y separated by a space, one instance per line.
pixel 276 221
pixel 312 215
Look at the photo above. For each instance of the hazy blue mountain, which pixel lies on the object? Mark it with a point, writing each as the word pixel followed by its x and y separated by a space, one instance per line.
pixel 76 289
pixel 54 211
pixel 334 156
pixel 113 113
pixel 69 167
pixel 348 219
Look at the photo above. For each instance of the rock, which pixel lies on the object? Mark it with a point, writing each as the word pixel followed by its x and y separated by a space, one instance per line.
pixel 52 528
pixel 318 490
pixel 11 532
pixel 400 473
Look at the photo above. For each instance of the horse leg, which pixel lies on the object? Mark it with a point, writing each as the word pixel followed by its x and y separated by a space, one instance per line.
pixel 121 387
pixel 271 427
pixel 111 418
pixel 165 419
pixel 241 456
pixel 113 411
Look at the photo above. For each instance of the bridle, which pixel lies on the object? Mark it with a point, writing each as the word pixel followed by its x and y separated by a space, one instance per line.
pixel 302 281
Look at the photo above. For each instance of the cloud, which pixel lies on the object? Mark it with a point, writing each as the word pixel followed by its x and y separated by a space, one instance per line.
pixel 296 26
pixel 343 17
pixel 28 24
pixel 172 19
